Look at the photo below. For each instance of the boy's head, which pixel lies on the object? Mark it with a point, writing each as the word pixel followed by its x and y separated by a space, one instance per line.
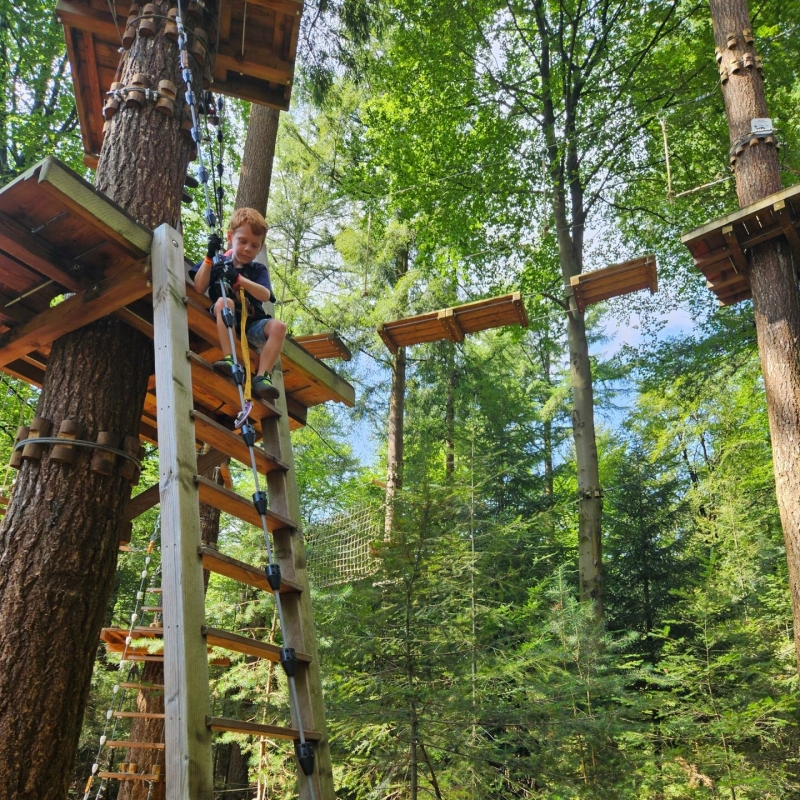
pixel 246 234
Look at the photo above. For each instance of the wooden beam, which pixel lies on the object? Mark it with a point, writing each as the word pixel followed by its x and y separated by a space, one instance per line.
pixel 150 497
pixel 450 325
pixel 244 644
pixel 75 312
pixel 737 254
pixel 257 729
pixel 211 432
pixel 186 701
pixel 213 494
pixel 86 18
pixel 20 243
pixel 219 563
pixel 136 745
pixel 387 338
pixel 785 217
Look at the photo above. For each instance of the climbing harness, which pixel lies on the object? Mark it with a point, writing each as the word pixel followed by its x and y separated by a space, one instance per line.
pixel 304 750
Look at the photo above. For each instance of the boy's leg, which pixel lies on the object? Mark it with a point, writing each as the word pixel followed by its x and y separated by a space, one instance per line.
pixel 274 333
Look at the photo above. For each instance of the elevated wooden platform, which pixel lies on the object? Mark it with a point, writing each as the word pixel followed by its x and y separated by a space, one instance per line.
pixel 454 323
pixel 59 235
pixel 254 58
pixel 614 281
pixel 324 345
pixel 721 248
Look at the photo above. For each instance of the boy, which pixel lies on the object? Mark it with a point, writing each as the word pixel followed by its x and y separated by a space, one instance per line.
pixel 246 234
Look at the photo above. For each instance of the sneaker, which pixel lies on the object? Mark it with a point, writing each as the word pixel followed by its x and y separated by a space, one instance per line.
pixel 225 366
pixel 264 388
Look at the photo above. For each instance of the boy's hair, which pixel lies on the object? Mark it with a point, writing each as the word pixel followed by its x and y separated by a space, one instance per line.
pixel 248 216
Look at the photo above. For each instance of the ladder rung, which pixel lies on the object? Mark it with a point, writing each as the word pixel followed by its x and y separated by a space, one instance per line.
pixel 154 591
pixel 217 562
pixel 130 776
pixel 211 432
pixel 237 506
pixel 208 384
pixel 243 644
pixel 137 745
pixel 138 715
pixel 272 731
pixel 152 609
pixel 143 687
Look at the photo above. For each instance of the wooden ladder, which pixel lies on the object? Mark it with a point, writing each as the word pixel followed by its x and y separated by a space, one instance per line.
pixel 188 721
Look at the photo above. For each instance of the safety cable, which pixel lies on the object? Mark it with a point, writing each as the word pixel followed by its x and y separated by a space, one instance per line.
pixel 303 749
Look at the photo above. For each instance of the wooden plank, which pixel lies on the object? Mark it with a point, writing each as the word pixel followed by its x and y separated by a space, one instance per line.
pixel 298 616
pixel 204 377
pixel 218 724
pixel 237 506
pixel 114 745
pixel 138 715
pixel 324 345
pixel 237 570
pixel 383 332
pixel 186 701
pixel 131 776
pixel 303 363
pixel 75 312
pixel 244 644
pixel 85 18
pixel 450 325
pixel 737 254
pixel 19 243
pixel 226 441
pixel 143 687
pixel 785 218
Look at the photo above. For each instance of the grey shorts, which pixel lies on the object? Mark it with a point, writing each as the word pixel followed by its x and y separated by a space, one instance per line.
pixel 255 334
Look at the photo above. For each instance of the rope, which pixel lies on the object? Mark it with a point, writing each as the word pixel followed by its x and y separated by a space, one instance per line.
pixel 245 347
pixel 80 443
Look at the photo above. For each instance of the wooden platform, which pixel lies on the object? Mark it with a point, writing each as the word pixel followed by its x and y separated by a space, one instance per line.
pixel 57 235
pixel 454 323
pixel 721 248
pixel 324 345
pixel 614 281
pixel 255 55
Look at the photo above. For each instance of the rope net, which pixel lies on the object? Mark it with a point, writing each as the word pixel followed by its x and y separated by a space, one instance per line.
pixel 341 547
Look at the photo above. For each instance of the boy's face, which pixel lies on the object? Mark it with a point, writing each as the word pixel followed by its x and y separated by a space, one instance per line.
pixel 245 245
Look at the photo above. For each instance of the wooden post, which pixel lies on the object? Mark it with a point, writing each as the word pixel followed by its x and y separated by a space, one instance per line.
pixel 297 612
pixel 186 703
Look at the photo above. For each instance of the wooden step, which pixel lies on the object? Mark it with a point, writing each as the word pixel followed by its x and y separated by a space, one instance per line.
pixel 130 776
pixel 253 728
pixel 152 609
pixel 143 687
pixel 226 441
pixel 213 494
pixel 154 591
pixel 138 715
pixel 115 643
pixel 137 745
pixel 213 390
pixel 221 564
pixel 246 645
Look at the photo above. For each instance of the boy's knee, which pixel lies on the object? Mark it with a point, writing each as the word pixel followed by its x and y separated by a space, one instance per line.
pixel 278 328
pixel 222 303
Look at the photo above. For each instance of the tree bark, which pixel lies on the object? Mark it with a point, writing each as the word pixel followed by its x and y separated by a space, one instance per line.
pixel 58 553
pixel 58 541
pixel 776 301
pixel 259 153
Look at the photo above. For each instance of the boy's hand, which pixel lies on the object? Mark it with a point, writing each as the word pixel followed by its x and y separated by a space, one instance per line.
pixel 214 245
pixel 224 272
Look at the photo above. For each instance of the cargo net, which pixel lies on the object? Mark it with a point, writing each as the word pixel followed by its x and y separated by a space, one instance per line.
pixel 341 547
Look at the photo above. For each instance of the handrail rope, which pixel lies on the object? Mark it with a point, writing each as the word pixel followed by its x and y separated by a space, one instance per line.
pixel 80 443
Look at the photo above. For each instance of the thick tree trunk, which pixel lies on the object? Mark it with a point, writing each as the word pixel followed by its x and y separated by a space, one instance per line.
pixel 58 553
pixel 259 153
pixel 776 301
pixel 450 413
pixel 58 541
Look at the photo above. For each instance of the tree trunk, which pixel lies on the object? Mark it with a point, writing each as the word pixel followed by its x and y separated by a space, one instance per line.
pixel 397 403
pixel 259 153
pixel 450 413
pixel 58 553
pixel 58 541
pixel 776 301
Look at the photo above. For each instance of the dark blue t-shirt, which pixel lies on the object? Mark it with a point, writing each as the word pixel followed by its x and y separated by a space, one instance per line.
pixel 254 271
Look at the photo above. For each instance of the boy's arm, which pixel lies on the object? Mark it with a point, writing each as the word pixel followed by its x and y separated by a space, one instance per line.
pixel 202 277
pixel 257 290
